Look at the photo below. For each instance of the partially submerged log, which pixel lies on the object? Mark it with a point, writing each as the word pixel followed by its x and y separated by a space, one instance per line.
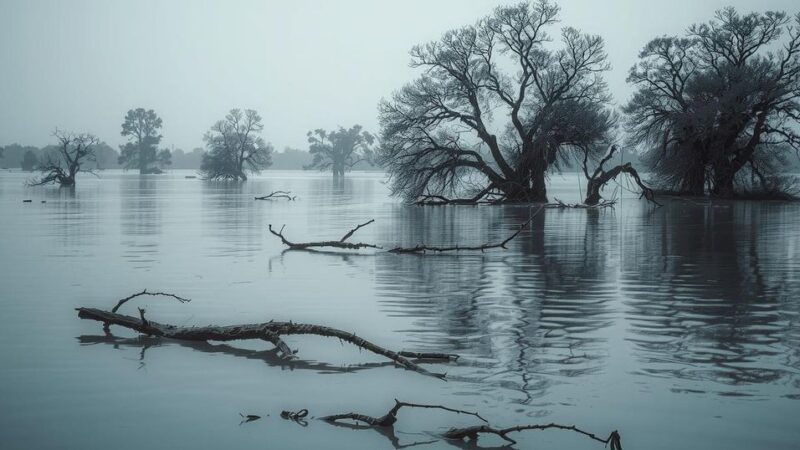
pixel 275 195
pixel 469 433
pixel 270 332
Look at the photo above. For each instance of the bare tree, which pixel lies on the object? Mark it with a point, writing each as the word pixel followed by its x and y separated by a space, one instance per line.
pixel 339 150
pixel 438 134
pixel 73 150
pixel 717 110
pixel 234 147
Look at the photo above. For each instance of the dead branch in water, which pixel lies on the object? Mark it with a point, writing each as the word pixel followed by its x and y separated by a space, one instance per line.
pixel 416 249
pixel 471 433
pixel 275 195
pixel 388 419
pixel 269 331
pixel 459 248
pixel 560 205
pixel 341 243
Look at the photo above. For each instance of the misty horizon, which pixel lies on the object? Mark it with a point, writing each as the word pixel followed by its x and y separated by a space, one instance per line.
pixel 81 65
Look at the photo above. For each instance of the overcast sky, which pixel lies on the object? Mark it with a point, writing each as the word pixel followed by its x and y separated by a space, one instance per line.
pixel 303 64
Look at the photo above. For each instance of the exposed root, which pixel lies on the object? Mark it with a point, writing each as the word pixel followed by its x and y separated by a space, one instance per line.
pixel 458 248
pixel 471 433
pixel 341 243
pixel 275 195
pixel 269 331
pixel 388 419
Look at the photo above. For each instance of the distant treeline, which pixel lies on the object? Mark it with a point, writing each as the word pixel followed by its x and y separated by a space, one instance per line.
pixel 13 157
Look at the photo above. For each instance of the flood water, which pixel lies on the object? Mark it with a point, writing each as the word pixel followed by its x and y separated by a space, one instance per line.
pixel 678 326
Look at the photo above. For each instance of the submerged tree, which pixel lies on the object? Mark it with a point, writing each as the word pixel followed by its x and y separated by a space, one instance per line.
pixel 141 127
pixel 72 151
pixel 718 110
pixel 339 150
pixel 438 133
pixel 235 147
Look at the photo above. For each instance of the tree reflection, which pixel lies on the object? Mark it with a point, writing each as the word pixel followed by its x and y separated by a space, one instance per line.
pixel 707 294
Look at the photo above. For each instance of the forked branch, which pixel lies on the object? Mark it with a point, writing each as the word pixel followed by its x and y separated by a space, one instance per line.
pixel 341 243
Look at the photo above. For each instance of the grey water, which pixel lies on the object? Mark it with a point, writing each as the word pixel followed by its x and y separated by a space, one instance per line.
pixel 678 326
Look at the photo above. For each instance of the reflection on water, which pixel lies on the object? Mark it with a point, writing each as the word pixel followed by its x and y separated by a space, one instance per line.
pixel 620 318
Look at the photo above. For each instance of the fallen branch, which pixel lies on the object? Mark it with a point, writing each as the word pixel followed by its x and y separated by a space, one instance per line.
pixel 458 248
pixel 341 243
pixel 471 433
pixel 559 205
pixel 388 419
pixel 275 195
pixel 269 331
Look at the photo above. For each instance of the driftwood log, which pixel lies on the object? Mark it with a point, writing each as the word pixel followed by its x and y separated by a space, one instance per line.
pixel 275 195
pixel 421 248
pixel 270 331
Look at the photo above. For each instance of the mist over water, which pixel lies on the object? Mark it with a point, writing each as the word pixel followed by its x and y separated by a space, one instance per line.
pixel 677 325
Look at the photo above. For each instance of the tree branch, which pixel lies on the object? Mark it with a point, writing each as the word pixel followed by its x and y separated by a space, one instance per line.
pixel 269 331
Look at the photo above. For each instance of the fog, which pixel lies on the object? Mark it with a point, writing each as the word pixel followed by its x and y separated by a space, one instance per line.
pixel 81 65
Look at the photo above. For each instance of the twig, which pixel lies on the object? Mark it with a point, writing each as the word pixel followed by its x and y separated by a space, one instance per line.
pixel 278 194
pixel 472 433
pixel 388 419
pixel 144 292
pixel 269 331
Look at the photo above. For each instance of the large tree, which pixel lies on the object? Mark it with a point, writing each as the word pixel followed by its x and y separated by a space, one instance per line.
pixel 717 110
pixel 72 151
pixel 235 147
pixel 496 108
pixel 141 127
pixel 339 150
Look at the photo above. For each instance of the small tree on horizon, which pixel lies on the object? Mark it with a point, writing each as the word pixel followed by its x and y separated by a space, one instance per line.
pixel 339 150
pixel 141 127
pixel 235 147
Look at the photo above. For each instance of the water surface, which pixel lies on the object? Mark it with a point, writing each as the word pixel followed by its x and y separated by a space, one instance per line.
pixel 679 326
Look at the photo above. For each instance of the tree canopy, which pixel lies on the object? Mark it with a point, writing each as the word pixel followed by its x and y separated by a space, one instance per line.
pixel 141 127
pixel 717 109
pixel 235 147
pixel 496 108
pixel 339 150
